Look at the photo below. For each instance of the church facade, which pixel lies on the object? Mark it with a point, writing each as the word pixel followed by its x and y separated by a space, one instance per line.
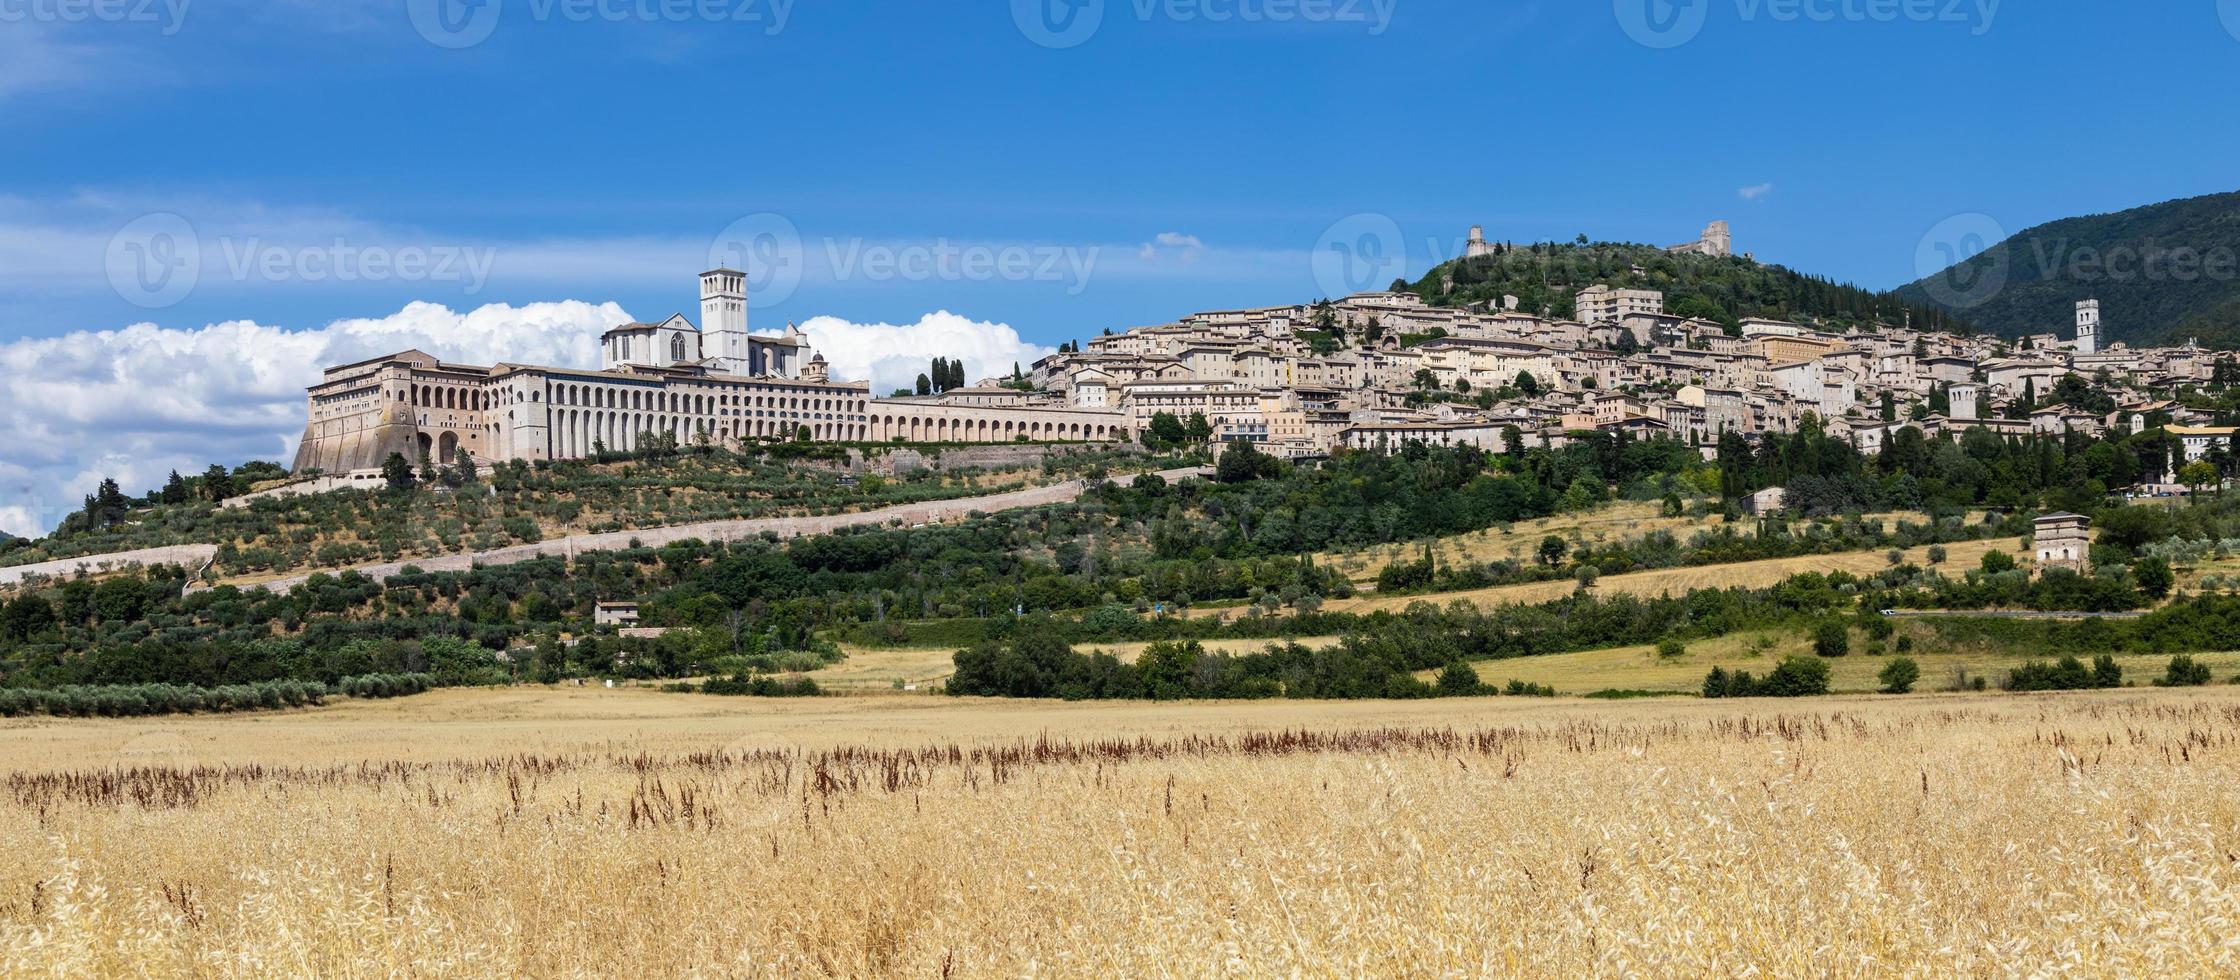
pixel 714 383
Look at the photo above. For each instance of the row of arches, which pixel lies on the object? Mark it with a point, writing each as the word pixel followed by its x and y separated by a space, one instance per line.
pixel 444 396
pixel 577 433
pixel 942 428
pixel 692 403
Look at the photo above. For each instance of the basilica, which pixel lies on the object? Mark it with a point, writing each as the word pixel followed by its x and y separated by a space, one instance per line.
pixel 713 383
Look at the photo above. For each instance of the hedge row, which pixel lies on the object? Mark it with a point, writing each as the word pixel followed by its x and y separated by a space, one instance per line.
pixel 131 700
pixel 134 700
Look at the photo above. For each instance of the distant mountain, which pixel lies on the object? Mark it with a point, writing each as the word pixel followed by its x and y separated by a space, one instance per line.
pixel 1544 277
pixel 2162 273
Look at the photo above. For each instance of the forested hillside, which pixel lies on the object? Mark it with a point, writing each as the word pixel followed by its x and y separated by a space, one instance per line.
pixel 2162 273
pixel 1544 277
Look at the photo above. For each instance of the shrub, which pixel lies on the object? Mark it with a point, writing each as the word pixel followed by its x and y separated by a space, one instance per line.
pixel 2066 674
pixel 1457 679
pixel 1898 675
pixel 762 686
pixel 1796 677
pixel 1670 648
pixel 2184 671
pixel 1831 639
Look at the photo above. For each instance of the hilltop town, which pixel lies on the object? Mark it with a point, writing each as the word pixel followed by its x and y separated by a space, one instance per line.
pixel 1370 371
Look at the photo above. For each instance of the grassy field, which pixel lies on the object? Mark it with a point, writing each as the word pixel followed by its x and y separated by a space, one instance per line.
pixel 581 831
pixel 1624 520
pixel 1679 581
pixel 1640 669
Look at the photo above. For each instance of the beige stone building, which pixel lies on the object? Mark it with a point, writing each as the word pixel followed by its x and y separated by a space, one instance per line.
pixel 657 381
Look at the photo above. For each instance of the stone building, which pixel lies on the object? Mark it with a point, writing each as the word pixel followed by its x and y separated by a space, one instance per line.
pixel 666 380
pixel 2064 541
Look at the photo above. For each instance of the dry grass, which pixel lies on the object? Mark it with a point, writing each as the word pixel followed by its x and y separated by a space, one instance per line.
pixel 596 832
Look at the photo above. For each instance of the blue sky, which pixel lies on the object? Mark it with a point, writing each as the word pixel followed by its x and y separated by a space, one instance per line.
pixel 1184 155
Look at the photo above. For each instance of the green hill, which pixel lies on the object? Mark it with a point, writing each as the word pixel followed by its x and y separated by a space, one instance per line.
pixel 1544 277
pixel 2162 273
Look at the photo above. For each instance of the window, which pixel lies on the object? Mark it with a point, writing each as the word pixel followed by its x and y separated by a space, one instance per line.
pixel 676 347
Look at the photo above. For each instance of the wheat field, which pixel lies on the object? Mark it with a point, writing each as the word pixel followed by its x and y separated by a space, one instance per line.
pixel 578 832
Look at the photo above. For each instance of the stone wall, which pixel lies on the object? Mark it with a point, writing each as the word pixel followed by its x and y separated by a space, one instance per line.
pixel 192 556
pixel 902 461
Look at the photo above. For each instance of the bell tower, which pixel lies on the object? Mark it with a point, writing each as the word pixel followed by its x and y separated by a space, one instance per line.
pixel 2088 327
pixel 723 320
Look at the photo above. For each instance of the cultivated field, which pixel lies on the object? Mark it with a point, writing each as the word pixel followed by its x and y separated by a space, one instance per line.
pixel 582 831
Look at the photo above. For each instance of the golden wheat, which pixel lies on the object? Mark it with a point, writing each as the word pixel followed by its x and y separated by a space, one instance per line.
pixel 633 833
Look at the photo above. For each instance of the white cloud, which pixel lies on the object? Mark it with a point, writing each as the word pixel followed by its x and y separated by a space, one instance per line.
pixel 1172 243
pixel 1754 191
pixel 893 356
pixel 136 403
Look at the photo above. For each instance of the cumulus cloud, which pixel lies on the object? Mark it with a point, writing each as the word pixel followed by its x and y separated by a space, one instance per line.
pixel 1172 243
pixel 1754 191
pixel 136 403
pixel 893 356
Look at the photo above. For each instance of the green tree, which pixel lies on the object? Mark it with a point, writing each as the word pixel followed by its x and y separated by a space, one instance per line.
pixel 1996 561
pixel 2154 577
pixel 2184 671
pixel 1552 550
pixel 1899 675
pixel 1165 431
pixel 2199 474
pixel 1457 679
pixel 217 484
pixel 397 472
pixel 1198 429
pixel 1831 639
